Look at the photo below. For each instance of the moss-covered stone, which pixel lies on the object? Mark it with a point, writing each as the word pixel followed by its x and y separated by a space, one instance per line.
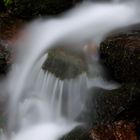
pixel 120 53
pixel 31 8
pixel 65 64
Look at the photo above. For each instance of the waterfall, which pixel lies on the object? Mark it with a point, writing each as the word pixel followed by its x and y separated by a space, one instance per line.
pixel 41 105
pixel 47 99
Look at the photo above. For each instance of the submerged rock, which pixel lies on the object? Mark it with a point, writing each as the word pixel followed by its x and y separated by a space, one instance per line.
pixel 64 63
pixel 120 53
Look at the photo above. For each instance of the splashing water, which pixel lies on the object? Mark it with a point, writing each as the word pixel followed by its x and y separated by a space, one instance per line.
pixel 41 107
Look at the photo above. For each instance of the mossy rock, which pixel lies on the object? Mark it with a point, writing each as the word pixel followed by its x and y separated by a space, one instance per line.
pixel 33 8
pixel 120 53
pixel 106 106
pixel 64 63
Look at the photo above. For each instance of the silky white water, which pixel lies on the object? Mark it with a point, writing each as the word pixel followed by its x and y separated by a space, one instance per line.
pixel 42 106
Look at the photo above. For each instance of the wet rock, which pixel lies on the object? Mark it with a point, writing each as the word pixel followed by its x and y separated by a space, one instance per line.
pixel 33 8
pixel 110 115
pixel 65 64
pixel 121 130
pixel 120 53
pixel 104 106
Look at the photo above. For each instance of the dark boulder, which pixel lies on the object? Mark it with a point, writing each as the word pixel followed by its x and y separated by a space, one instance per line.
pixel 104 106
pixel 65 64
pixel 120 54
pixel 33 8
pixel 110 115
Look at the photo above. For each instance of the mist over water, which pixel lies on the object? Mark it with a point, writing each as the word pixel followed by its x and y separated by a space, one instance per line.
pixel 41 105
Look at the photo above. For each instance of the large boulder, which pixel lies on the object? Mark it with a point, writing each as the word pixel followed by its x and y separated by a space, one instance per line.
pixel 33 8
pixel 120 53
pixel 104 106
pixel 65 64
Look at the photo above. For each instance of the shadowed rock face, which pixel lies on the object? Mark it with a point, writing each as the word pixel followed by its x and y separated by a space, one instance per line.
pixel 33 8
pixel 5 57
pixel 106 106
pixel 120 53
pixel 65 64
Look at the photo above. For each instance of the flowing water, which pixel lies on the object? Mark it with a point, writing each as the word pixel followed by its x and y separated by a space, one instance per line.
pixel 42 106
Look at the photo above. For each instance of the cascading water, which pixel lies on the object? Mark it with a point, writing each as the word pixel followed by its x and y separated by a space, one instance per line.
pixel 41 105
